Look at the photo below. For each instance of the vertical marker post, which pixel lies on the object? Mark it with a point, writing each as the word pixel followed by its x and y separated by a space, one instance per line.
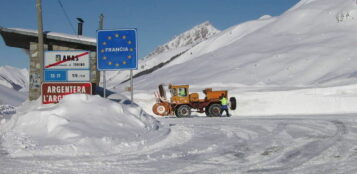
pixel 101 19
pixel 131 86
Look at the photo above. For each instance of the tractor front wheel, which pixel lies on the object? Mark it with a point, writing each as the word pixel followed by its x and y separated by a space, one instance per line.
pixel 183 111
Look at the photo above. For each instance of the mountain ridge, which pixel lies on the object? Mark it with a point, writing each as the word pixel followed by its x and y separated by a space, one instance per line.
pixel 14 78
pixel 310 44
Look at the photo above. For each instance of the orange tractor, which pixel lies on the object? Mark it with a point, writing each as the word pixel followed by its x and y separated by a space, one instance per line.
pixel 182 102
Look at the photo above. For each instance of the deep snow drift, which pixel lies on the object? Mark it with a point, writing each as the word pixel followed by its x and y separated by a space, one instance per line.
pixel 78 125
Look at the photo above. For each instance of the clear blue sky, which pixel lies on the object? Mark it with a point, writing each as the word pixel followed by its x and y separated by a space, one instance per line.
pixel 157 21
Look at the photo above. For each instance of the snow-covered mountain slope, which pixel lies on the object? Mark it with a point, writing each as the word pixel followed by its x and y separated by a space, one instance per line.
pixel 167 52
pixel 312 44
pixel 14 78
pixel 191 37
pixel 8 96
pixel 13 85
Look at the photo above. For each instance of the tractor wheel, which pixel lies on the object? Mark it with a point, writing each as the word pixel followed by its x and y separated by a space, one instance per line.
pixel 214 110
pixel 233 103
pixel 161 109
pixel 183 111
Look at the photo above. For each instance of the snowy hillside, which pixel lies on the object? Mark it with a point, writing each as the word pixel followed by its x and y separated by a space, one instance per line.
pixel 13 86
pixel 9 96
pixel 191 37
pixel 167 52
pixel 14 78
pixel 310 44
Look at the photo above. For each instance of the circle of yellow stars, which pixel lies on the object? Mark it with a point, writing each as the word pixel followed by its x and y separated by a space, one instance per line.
pixel 130 49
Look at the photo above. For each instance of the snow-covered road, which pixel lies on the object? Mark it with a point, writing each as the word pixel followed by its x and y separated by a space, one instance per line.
pixel 277 144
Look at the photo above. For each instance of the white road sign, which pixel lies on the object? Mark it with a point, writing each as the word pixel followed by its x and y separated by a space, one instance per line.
pixel 67 60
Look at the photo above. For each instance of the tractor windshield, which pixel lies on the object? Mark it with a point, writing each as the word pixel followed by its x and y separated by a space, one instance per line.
pixel 182 92
pixel 173 92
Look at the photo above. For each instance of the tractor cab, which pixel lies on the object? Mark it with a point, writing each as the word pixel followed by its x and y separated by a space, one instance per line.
pixel 179 94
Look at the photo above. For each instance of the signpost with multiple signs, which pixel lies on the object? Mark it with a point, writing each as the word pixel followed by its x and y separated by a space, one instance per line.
pixel 65 67
pixel 68 72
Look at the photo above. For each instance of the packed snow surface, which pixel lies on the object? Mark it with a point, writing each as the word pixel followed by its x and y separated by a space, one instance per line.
pixel 259 145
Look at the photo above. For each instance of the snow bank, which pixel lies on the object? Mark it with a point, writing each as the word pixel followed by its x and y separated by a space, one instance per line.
pixel 312 101
pixel 78 125
pixel 275 100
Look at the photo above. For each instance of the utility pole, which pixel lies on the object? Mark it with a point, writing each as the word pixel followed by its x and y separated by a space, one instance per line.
pixel 40 37
pixel 101 21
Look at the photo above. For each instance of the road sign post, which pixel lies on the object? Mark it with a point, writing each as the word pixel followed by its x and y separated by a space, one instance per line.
pixel 54 92
pixel 117 50
pixel 71 69
pixel 67 66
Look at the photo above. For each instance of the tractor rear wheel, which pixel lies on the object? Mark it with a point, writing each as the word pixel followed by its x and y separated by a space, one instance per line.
pixel 233 103
pixel 162 109
pixel 214 110
pixel 183 111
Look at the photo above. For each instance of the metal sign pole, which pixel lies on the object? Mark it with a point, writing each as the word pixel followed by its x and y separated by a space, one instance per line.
pixel 104 85
pixel 101 21
pixel 131 86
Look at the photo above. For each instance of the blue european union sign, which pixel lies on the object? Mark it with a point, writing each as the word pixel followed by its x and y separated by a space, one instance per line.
pixel 117 49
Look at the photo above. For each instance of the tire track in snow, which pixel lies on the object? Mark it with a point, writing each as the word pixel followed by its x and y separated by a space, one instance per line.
pixel 3 152
pixel 206 145
pixel 284 161
pixel 297 157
